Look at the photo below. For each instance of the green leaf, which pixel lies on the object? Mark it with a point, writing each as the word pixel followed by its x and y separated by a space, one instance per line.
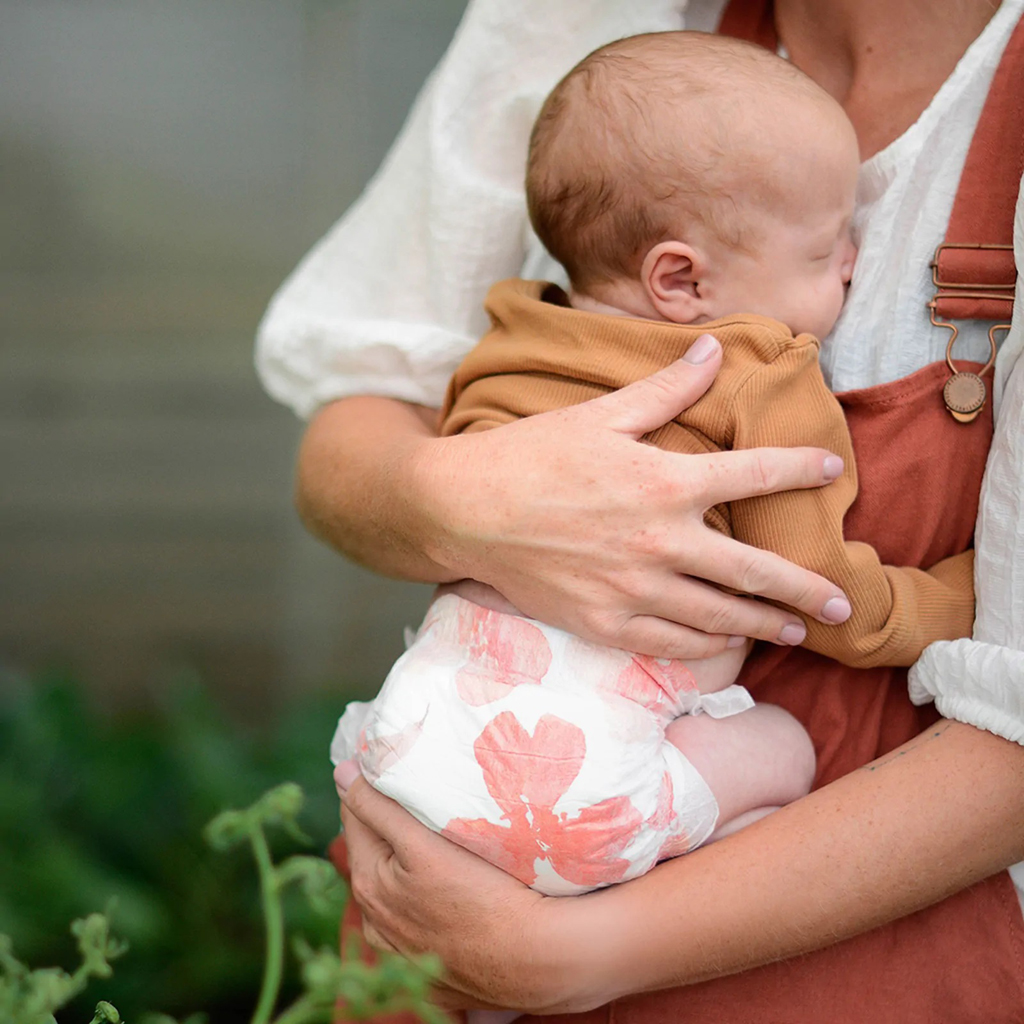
pixel 105 1014
pixel 96 945
pixel 279 806
pixel 324 890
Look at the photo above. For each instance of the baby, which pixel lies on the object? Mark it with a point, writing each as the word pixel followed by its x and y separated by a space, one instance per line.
pixel 682 180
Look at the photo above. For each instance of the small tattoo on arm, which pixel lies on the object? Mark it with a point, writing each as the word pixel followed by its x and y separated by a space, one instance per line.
pixel 907 748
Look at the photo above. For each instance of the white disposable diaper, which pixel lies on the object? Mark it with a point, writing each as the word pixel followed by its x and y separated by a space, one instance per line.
pixel 539 751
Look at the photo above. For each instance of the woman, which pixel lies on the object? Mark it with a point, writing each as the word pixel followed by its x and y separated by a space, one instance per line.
pixel 603 536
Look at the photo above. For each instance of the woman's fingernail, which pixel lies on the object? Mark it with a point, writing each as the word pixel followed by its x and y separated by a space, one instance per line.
pixel 701 350
pixel 833 467
pixel 345 774
pixel 793 634
pixel 736 641
pixel 836 610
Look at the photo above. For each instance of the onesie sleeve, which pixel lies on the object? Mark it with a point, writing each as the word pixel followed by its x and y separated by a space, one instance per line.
pixel 390 300
pixel 980 681
pixel 897 612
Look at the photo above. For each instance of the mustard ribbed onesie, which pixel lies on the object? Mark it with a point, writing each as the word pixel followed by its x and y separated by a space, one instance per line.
pixel 541 354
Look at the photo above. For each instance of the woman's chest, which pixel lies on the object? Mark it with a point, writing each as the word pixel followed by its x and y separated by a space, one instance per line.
pixel 906 193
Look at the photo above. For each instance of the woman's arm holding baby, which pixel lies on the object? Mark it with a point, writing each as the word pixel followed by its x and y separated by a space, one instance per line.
pixel 566 514
pixel 928 819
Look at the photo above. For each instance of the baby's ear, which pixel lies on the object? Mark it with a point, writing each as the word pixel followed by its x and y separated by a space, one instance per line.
pixel 671 274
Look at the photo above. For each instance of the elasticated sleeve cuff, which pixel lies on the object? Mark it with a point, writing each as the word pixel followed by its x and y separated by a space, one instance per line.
pixel 977 683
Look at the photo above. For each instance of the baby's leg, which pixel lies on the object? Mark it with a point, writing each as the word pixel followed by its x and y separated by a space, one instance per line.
pixel 753 762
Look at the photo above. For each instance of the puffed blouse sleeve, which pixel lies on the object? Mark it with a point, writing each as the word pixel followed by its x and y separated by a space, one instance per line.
pixel 391 299
pixel 981 680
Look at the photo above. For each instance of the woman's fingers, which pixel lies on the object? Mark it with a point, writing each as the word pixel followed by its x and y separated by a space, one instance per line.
pixel 378 829
pixel 442 898
pixel 718 617
pixel 345 773
pixel 375 825
pixel 749 472
pixel 664 638
pixel 765 574
pixel 364 845
pixel 375 940
pixel 715 616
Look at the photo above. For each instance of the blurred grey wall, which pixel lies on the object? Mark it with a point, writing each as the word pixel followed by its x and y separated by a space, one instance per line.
pixel 162 167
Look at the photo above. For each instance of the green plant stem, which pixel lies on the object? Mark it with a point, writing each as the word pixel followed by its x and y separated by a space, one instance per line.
pixel 303 1010
pixel 274 914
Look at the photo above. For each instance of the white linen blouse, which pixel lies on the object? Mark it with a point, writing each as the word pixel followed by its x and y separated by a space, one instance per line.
pixel 390 300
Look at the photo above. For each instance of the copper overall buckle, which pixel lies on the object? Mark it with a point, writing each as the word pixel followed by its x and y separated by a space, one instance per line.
pixel 965 393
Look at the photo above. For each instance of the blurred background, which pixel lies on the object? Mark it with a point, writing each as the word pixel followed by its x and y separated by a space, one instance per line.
pixel 170 639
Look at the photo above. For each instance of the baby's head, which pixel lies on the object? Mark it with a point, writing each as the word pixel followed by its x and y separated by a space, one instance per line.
pixel 684 176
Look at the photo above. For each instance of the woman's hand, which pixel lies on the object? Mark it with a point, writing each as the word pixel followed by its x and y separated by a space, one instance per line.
pixel 499 941
pixel 581 526
pixel 570 516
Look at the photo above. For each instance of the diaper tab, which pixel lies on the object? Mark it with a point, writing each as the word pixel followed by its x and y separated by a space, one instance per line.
pixel 725 703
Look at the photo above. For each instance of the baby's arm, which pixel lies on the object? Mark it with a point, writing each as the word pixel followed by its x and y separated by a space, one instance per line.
pixel 897 612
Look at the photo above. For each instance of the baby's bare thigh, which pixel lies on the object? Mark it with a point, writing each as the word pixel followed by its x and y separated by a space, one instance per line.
pixel 759 758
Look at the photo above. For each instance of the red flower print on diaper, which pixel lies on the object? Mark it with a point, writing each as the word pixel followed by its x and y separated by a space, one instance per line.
pixel 527 775
pixel 662 817
pixel 378 753
pixel 652 682
pixel 504 651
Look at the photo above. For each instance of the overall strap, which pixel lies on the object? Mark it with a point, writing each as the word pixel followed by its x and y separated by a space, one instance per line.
pixel 974 269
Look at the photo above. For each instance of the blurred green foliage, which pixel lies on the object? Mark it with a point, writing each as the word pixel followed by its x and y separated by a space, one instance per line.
pixel 93 809
pixel 30 996
pixel 391 984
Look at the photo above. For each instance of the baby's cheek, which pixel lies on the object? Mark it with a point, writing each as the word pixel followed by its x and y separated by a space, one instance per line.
pixel 828 303
pixel 839 300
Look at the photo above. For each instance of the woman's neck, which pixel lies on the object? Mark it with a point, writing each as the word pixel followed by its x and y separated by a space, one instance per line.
pixel 883 60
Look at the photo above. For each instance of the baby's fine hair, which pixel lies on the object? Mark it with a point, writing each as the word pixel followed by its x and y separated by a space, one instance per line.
pixel 650 132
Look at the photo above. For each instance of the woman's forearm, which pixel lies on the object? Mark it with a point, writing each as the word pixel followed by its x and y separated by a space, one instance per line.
pixel 355 488
pixel 936 815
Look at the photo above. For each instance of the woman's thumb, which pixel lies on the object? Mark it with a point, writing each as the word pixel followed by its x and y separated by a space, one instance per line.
pixel 652 402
